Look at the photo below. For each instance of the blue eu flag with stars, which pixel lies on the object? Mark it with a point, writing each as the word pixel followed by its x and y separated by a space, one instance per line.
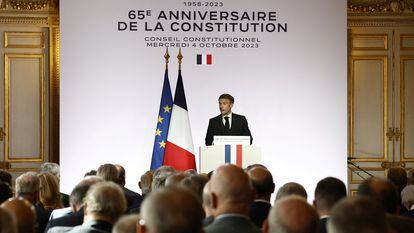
pixel 163 122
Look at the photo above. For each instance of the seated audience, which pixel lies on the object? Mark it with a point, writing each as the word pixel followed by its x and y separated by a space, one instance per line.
pixel 5 192
pixel 7 222
pixel 23 212
pixel 195 183
pixel 291 188
pixel 208 210
pixel 383 192
pixel 291 214
pixel 109 172
pixel 357 215
pixel 145 183
pixel 6 177
pixel 160 175
pixel 410 176
pixel 231 197
pixel 28 187
pixel 126 224
pixel 264 186
pixel 49 195
pixel 130 195
pixel 407 198
pixel 103 205
pixel 171 210
pixel 54 169
pixel 398 177
pixel 75 217
pixel 328 192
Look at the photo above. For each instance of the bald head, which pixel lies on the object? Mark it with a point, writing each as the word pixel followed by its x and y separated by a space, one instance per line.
pixel 24 214
pixel 262 181
pixel 231 190
pixel 7 222
pixel 292 214
pixel 171 210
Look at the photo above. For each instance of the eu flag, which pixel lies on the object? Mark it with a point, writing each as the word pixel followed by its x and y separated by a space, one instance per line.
pixel 163 123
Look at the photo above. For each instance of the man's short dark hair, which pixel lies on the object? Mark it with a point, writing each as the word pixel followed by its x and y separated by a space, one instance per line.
pixel 381 190
pixel 227 96
pixel 108 172
pixel 328 191
pixel 5 177
pixel 5 192
pixel 291 188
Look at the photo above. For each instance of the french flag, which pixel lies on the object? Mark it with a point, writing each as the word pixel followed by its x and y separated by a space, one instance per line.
pixel 204 59
pixel 179 151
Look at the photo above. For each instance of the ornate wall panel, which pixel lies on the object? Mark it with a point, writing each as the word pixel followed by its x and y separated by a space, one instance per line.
pixel 407 102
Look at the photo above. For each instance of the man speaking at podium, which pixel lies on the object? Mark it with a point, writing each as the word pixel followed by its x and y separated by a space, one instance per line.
pixel 227 123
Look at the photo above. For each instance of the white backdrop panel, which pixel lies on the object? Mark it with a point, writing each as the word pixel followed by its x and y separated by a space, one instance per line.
pixel 291 85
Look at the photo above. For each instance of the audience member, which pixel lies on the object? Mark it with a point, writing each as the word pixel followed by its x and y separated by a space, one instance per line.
pixel 410 176
pixel 195 183
pixel 6 177
pixel 175 179
pixel 109 172
pixel 160 175
pixel 7 222
pixel 104 204
pixel 5 192
pixel 231 196
pixel 407 198
pixel 291 188
pixel 54 169
pixel 328 192
pixel 398 177
pixel 145 183
pixel 291 214
pixel 208 210
pixel 384 192
pixel 264 186
pixel 171 210
pixel 126 224
pixel 24 213
pixel 49 195
pixel 75 216
pixel 133 199
pixel 28 187
pixel 357 215
pixel 90 173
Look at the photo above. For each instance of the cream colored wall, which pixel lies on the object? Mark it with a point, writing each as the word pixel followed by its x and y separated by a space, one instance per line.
pixel 381 103
pixel 29 84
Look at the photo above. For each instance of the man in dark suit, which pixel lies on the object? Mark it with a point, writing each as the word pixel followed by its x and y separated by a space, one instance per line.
pixel 328 192
pixel 264 186
pixel 227 123
pixel 231 197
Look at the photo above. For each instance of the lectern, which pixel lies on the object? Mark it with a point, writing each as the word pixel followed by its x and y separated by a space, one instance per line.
pixel 228 149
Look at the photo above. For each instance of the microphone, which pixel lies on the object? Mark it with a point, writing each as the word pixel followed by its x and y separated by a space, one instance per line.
pixel 350 158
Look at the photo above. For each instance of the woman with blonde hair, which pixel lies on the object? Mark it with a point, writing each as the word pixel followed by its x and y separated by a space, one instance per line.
pixel 49 195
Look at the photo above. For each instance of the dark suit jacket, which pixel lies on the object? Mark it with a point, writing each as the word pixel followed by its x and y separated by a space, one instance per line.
pixel 232 224
pixel 322 225
pixel 239 127
pixel 70 220
pixel 134 200
pixel 259 211
pixel 42 217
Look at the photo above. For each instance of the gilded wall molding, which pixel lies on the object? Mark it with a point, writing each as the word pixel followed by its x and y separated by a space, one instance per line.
pixel 38 21
pixel 383 6
pixel 29 5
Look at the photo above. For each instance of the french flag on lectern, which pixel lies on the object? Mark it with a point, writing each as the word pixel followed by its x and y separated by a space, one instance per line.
pixel 179 151
pixel 204 59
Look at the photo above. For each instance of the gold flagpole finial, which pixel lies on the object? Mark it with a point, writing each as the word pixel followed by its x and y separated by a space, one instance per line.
pixel 180 58
pixel 167 57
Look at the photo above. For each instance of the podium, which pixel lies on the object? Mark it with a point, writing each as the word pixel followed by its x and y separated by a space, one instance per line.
pixel 228 149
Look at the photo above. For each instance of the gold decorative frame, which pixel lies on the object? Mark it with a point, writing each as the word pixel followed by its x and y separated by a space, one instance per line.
pixel 404 36
pixel 9 35
pixel 402 114
pixel 383 37
pixel 384 59
pixel 352 171
pixel 7 58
